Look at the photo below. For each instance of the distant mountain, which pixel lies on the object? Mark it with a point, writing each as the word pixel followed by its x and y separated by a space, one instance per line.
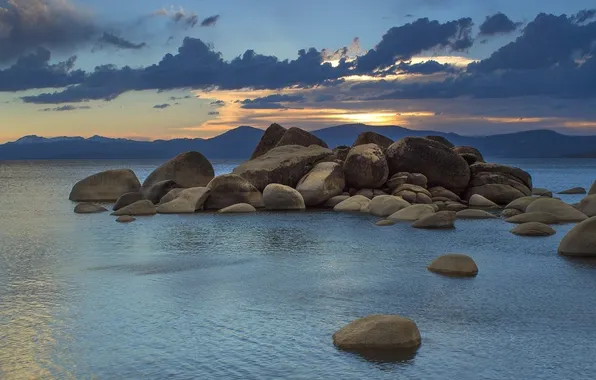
pixel 239 143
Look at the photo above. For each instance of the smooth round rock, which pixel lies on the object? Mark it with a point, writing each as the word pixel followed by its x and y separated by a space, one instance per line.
pixel 565 213
pixel 521 204
pixel 106 186
pixel 533 229
pixel 588 205
pixel 125 219
pixel 127 199
pixel 355 203
pixel 238 208
pixel 88 208
pixel 439 220
pixel 412 213
pixel 510 212
pixel 323 182
pixel 385 222
pixel 378 332
pixel 231 189
pixel 474 214
pixel 454 265
pixel 538 217
pixel 189 169
pixel 478 201
pixel 366 167
pixel 282 197
pixel 580 241
pixel 385 205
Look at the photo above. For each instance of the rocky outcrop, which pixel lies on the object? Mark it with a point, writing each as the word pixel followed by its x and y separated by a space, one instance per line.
pixel 190 169
pixel 341 152
pixel 440 165
pixel 378 332
pixel 454 265
pixel 323 182
pixel 230 189
pixel 88 208
pixel 413 194
pixel 385 205
pixel 269 140
pixel 106 186
pixel 564 212
pixel 366 167
pixel 158 190
pixel 538 191
pixel 127 199
pixel 474 214
pixel 469 150
pixel 332 202
pixel 574 190
pixel 439 220
pixel 588 205
pixel 412 213
pixel 538 217
pixel 125 219
pixel 478 201
pixel 355 203
pixel 282 197
pixel 139 208
pixel 499 183
pixel 297 136
pixel 239 208
pixel 580 241
pixel 442 140
pixel 186 202
pixel 533 229
pixel 285 165
pixel 373 138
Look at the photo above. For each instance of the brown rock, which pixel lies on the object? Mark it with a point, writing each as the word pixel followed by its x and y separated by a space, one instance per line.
pixel 127 199
pixel 139 208
pixel 539 217
pixel 106 186
pixel 323 182
pixel 378 332
pixel 282 197
pixel 190 169
pixel 125 219
pixel 270 139
pixel 580 241
pixel 88 208
pixel 441 140
pixel 454 265
pixel 158 190
pixel 469 150
pixel 297 136
pixel 373 138
pixel 439 220
pixel 533 229
pixel 366 167
pixel 575 190
pixel 230 189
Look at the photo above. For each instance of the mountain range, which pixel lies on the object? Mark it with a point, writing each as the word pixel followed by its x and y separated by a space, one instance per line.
pixel 239 143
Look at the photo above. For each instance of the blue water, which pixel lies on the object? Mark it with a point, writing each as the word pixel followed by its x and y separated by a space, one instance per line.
pixel 210 296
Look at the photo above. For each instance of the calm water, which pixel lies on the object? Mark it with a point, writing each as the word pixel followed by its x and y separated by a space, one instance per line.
pixel 259 296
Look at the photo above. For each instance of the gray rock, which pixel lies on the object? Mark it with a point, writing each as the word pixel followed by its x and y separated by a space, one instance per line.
pixel 323 182
pixel 355 203
pixel 521 204
pixel 269 140
pixel 369 193
pixel 332 202
pixel 454 265
pixel 186 202
pixel 588 205
pixel 230 189
pixel 455 207
pixel 533 229
pixel 564 212
pixel 478 201
pixel 441 140
pixel 170 196
pixel 580 241
pixel 282 197
pixel 539 217
pixel 386 205
pixel 440 191
pixel 139 208
pixel 190 169
pixel 106 186
pixel 239 208
pixel 439 220
pixel 88 208
pixel 366 167
pixel 474 214
pixel 127 199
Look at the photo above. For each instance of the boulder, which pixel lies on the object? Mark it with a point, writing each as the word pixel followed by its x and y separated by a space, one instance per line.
pixel 269 140
pixel 538 217
pixel 125 219
pixel 386 205
pixel 323 182
pixel 139 208
pixel 474 214
pixel 127 199
pixel 478 201
pixel 412 213
pixel 282 197
pixel 533 229
pixel 230 189
pixel 469 150
pixel 297 136
pixel 454 265
pixel 186 202
pixel 385 222
pixel 538 191
pixel 378 332
pixel 439 220
pixel 440 165
pixel 574 190
pixel 470 158
pixel 190 169
pixel 341 152
pixel 521 204
pixel 378 193
pixel 499 183
pixel 580 240
pixel 455 206
pixel 564 212
pixel 355 203
pixel 423 199
pixel 238 208
pixel 88 208
pixel 285 165
pixel 366 167
pixel 332 202
pixel 592 190
pixel 369 193
pixel 158 190
pixel 510 212
pixel 106 186
pixel 402 178
pixel 171 195
pixel 440 191
pixel 413 193
pixel 588 205
pixel 373 138
pixel 441 140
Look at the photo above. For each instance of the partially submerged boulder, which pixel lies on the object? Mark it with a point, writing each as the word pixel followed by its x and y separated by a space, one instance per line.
pixel 171 195
pixel 385 222
pixel 439 220
pixel 453 264
pixel 499 183
pixel 478 201
pixel 539 217
pixel 510 212
pixel 158 190
pixel 297 136
pixel 533 229
pixel 588 205
pixel 574 190
pixel 125 219
pixel 239 208
pixel 186 202
pixel 413 193
pixel 323 182
pixel 282 197
pixel 334 201
pixel 412 213
pixel 373 138
pixel 580 241
pixel 355 203
pixel 366 167
pixel 565 213
pixel 139 208
pixel 190 169
pixel 474 214
pixel 106 186
pixel 521 204
pixel 127 199
pixel 378 332
pixel 88 208
pixel 269 140
pixel 385 205
pixel 230 189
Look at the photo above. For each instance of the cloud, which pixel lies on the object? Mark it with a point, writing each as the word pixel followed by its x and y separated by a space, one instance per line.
pixel 110 39
pixel 584 15
pixel 217 103
pixel 272 101
pixel 173 98
pixel 213 113
pixel 66 108
pixel 179 17
pixel 498 23
pixel 210 21
pixel 426 68
pixel 161 106
pixel 345 52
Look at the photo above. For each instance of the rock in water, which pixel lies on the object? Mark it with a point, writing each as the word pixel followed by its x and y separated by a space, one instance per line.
pixel 297 136
pixel 439 191
pixel 510 212
pixel 521 204
pixel 127 199
pixel 454 265
pixel 366 167
pixel 282 197
pixel 332 202
pixel 564 212
pixel 355 203
pixel 144 207
pixel 412 213
pixel 440 165
pixel 439 220
pixel 230 189
pixel 125 219
pixel 413 193
pixel 385 222
pixel 533 229
pixel 474 214
pixel 588 206
pixel 285 165
pixel 469 150
pixel 106 186
pixel 580 241
pixel 323 182
pixel 539 217
pixel 88 208
pixel 478 201
pixel 575 190
pixel 499 183
pixel 341 152
pixel 542 192
pixel 186 202
pixel 171 195
pixel 373 138
pixel 385 205
pixel 190 169
pixel 269 140
pixel 158 190
pixel 378 332
pixel 239 208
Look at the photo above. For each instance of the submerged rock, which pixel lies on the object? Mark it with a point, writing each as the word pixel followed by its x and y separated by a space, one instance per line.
pixel 238 208
pixel 323 182
pixel 575 190
pixel 189 169
pixel 539 217
pixel 230 189
pixel 580 241
pixel 386 332
pixel 565 213
pixel 106 186
pixel 439 220
pixel 366 167
pixel 139 208
pixel 454 265
pixel 88 208
pixel 269 140
pixel 385 205
pixel 125 219
pixel 282 197
pixel 412 213
pixel 533 229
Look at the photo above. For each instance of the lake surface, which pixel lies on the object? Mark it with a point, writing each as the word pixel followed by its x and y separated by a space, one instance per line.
pixel 211 296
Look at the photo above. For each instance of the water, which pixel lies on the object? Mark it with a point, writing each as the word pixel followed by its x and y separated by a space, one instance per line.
pixel 259 296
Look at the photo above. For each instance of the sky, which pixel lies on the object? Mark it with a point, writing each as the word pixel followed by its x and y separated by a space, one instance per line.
pixel 197 68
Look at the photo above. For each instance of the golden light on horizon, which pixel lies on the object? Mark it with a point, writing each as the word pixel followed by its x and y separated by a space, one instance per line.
pixel 374 118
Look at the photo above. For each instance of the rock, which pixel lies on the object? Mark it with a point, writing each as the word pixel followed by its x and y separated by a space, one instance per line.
pixel 402 178
pixel 533 229
pixel 575 190
pixel 385 222
pixel 510 212
pixel 440 191
pixel 378 332
pixel 386 205
pixel 355 203
pixel 125 219
pixel 158 190
pixel 230 189
pixel 369 193
pixel 439 220
pixel 412 213
pixel 170 196
pixel 478 201
pixel 127 199
pixel 564 212
pixel 106 186
pixel 521 204
pixel 373 138
pixel 454 265
pixel 282 197
pixel 366 167
pixel 284 165
pixel 378 193
pixel 269 140
pixel 538 217
pixel 470 158
pixel 190 169
pixel 454 206
pixel 580 241
pixel 341 152
pixel 542 192
pixel 323 182
pixel 139 208
pixel 238 208
pixel 413 193
pixel 499 183
pixel 474 214
pixel 297 136
pixel 332 202
pixel 88 208
pixel 469 150
pixel 186 202
pixel 588 205
pixel 592 190
pixel 440 165
pixel 441 140
pixel 423 199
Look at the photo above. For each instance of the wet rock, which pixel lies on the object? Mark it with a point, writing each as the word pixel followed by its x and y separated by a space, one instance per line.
pixel 533 229
pixel 282 197
pixel 454 265
pixel 88 208
pixel 385 222
pixel 125 219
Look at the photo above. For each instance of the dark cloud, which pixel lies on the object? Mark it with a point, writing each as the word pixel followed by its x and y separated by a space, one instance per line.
pixel 425 68
pixel 213 113
pixel 179 17
pixel 217 103
pixel 498 23
pixel 172 98
pixel 66 108
pixel 584 15
pixel 110 39
pixel 210 21
pixel 161 106
pixel 343 53
pixel 324 98
pixel 272 101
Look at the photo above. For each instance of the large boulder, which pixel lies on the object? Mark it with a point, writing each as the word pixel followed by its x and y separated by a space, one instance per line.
pixel 88 208
pixel 440 165
pixel 580 240
pixel 373 138
pixel 230 189
pixel 573 190
pixel 190 169
pixel 378 332
pixel 187 201
pixel 533 229
pixel 474 214
pixel 127 199
pixel 521 204
pixel 366 167
pixel 469 150
pixel 106 186
pixel 282 197
pixel 499 183
pixel 269 140
pixel 442 140
pixel 158 190
pixel 565 213
pixel 412 213
pixel 441 192
pixel 171 195
pixel 285 165
pixel 323 182
pixel 478 201
pixel 385 205
pixel 403 178
pixel 538 191
pixel 454 265
pixel 297 136
pixel 538 217
pixel 239 208
pixel 143 207
pixel 341 152
pixel 355 203
pixel 439 220
pixel 334 201
pixel 588 205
